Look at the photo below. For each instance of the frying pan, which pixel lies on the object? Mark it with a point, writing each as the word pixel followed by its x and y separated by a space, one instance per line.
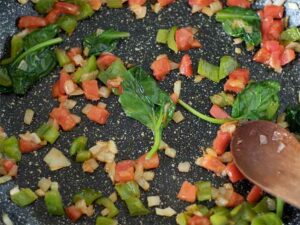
pixel 131 137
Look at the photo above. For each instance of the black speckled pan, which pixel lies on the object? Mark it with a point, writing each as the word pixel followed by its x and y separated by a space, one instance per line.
pixel 132 138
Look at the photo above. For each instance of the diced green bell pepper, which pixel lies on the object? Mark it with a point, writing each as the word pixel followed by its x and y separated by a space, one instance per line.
pixel 78 145
pixel 290 34
pixel 208 70
pixel 54 203
pixel 171 39
pixel 127 190
pixel 262 206
pixel 267 219
pixel 101 220
pixel 115 4
pixel 24 197
pixel 219 219
pixel 162 36
pixel 68 23
pixel 90 66
pixel 16 47
pixel 47 132
pixel 222 99
pixel 83 156
pixel 108 204
pixel 220 210
pixel 181 219
pixel 89 195
pixel 11 148
pixel 136 207
pixel 62 57
pixel 44 6
pixel 203 190
pixel 227 65
pixel 243 211
pixel 279 207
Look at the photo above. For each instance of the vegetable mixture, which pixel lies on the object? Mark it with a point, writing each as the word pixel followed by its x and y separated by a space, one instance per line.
pixel 93 72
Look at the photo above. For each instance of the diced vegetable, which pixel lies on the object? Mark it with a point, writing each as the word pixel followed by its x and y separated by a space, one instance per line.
pixel 124 171
pixel 185 40
pixel 23 197
pixel 88 195
pixel 255 194
pixel 239 3
pixel 11 149
pixel 54 203
pixel 267 219
pixel 279 207
pixel 222 99
pixel 212 163
pixel 171 42
pixel 187 192
pixel 109 205
pixel 31 22
pixel 90 66
pixel 162 36
pixel 64 118
pixel 208 70
pixel 91 89
pixel 153 201
pixel 185 66
pixel 56 160
pixel 151 163
pixel 105 221
pixel 233 173
pixel 161 67
pixel 73 213
pixel 218 112
pixel 168 212
pixel 128 189
pixel 227 65
pixel 97 114
pixel 204 190
pixel 28 146
pixel 67 23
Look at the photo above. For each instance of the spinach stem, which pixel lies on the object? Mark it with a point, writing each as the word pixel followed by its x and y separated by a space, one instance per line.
pixel 202 116
pixel 155 146
pixel 38 47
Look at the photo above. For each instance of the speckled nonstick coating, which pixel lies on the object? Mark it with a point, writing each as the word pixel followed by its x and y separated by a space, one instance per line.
pixel 132 138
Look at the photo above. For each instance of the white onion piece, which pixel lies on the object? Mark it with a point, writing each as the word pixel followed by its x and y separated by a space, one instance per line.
pixel 5 218
pixel 167 212
pixel 56 160
pixel 153 201
pixel 28 117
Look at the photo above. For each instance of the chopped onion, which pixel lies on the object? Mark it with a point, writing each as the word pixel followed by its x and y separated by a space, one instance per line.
pixel 294 45
pixel 87 210
pixel 184 167
pixel 148 175
pixel 90 165
pixel 198 79
pixel 40 193
pixel 104 92
pixel 171 152
pixel 196 8
pixel 69 104
pixel 226 157
pixel 69 87
pixel 5 178
pixel 139 171
pixel 14 191
pixel 77 92
pixel 5 218
pixel 32 137
pixel 215 6
pixel 23 65
pixel 76 118
pixel 199 161
pixel 44 184
pixel 102 105
pixel 153 201
pixel 28 117
pixel 156 7
pixel 139 11
pixel 69 68
pixel 238 50
pixel 104 212
pixel 110 169
pixel 143 184
pixel 178 117
pixel 56 160
pixel 277 136
pixel 161 56
pixel 78 59
pixel 113 197
pixel 237 41
pixel 86 108
pixel 13 171
pixel 278 2
pixel 89 76
pixel 24 32
pixel 229 127
pixel 211 152
pixel 177 87
pixel 174 65
pixel 163 145
pixel 207 11
pixel 271 204
pixel 54 186
pixel 168 212
pixel 86 51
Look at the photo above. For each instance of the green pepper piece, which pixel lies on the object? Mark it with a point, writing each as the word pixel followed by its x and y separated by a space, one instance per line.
pixel 83 156
pixel 208 70
pixel 242 222
pixel 24 197
pixel 222 99
pixel 108 204
pixel 68 23
pixel 267 219
pixel 4 77
pixel 129 189
pixel 171 39
pixel 181 219
pixel 78 145
pixel 136 207
pixel 203 190
pixel 227 65
pixel 51 134
pixel 243 211
pixel 54 203
pixel 16 47
pixel 219 219
pixel 263 206
pixel 114 4
pixel 11 148
pixel 42 130
pixel 44 6
pixel 220 210
pixel 291 34
pixel 85 9
pixel 62 57
pixel 90 66
pixel 162 36
pixel 203 210
pixel 89 195
pixel 279 207
pixel 101 220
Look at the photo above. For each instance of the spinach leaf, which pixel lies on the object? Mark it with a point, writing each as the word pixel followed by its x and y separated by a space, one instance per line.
pixel 4 77
pixel 293 118
pixel 16 47
pixel 31 69
pixel 259 100
pixel 144 101
pixel 115 70
pixel 44 6
pixel 104 42
pixel 240 22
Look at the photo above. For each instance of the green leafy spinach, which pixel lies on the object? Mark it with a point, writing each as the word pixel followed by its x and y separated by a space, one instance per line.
pixel 293 118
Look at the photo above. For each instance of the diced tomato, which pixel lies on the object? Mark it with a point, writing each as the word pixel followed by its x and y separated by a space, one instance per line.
pixel 62 98
pixel 275 30
pixel 115 83
pixel 73 213
pixel 28 146
pixel 152 163
pixel 221 142
pixel 184 38
pixel 174 97
pixel 56 90
pixel 198 220
pixel 67 8
pixel 62 80
pixel 73 52
pixel 239 3
pixel 237 81
pixel 137 2
pixel 124 171
pixel 274 11
pixel 53 16
pixel 161 67
pixel 255 194
pixel 98 114
pixel 187 192
pixel 31 22
pixel 164 3
pixel 200 3
pixel 91 90
pixel 240 74
pixel 64 118
pixel 8 164
pixel 218 112
pixel 235 200
pixel 105 60
pixel 275 60
pixel 95 4
pixel 213 164
pixel 262 56
pixel 234 173
pixel 186 67
pixel 287 56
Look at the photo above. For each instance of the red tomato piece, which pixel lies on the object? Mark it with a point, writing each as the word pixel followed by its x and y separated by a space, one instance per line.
pixel 8 164
pixel 255 194
pixel 213 164
pixel 174 97
pixel 164 3
pixel 237 81
pixel 239 3
pixel 64 118
pixel 240 74
pixel 98 114
pixel 28 146
pixel 56 90
pixel 234 173
pixel 161 67
pixel 115 83
pixel 53 16
pixel 184 38
pixel 287 56
pixel 262 56
pixel 62 80
pixel 221 142
pixel 275 30
pixel 67 8
pixel 137 2
pixel 200 3
pixel 152 163
pixel 73 213
pixel 198 220
pixel 95 4
pixel 105 60
pixel 186 67
pixel 91 90
pixel 218 112
pixel 124 171
pixel 73 52
pixel 187 192
pixel 235 200
pixel 273 11
pixel 31 22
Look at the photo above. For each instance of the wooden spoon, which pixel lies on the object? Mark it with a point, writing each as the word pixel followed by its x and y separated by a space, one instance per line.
pixel 269 156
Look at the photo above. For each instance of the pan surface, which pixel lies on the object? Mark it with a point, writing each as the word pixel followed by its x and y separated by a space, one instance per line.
pixel 131 137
